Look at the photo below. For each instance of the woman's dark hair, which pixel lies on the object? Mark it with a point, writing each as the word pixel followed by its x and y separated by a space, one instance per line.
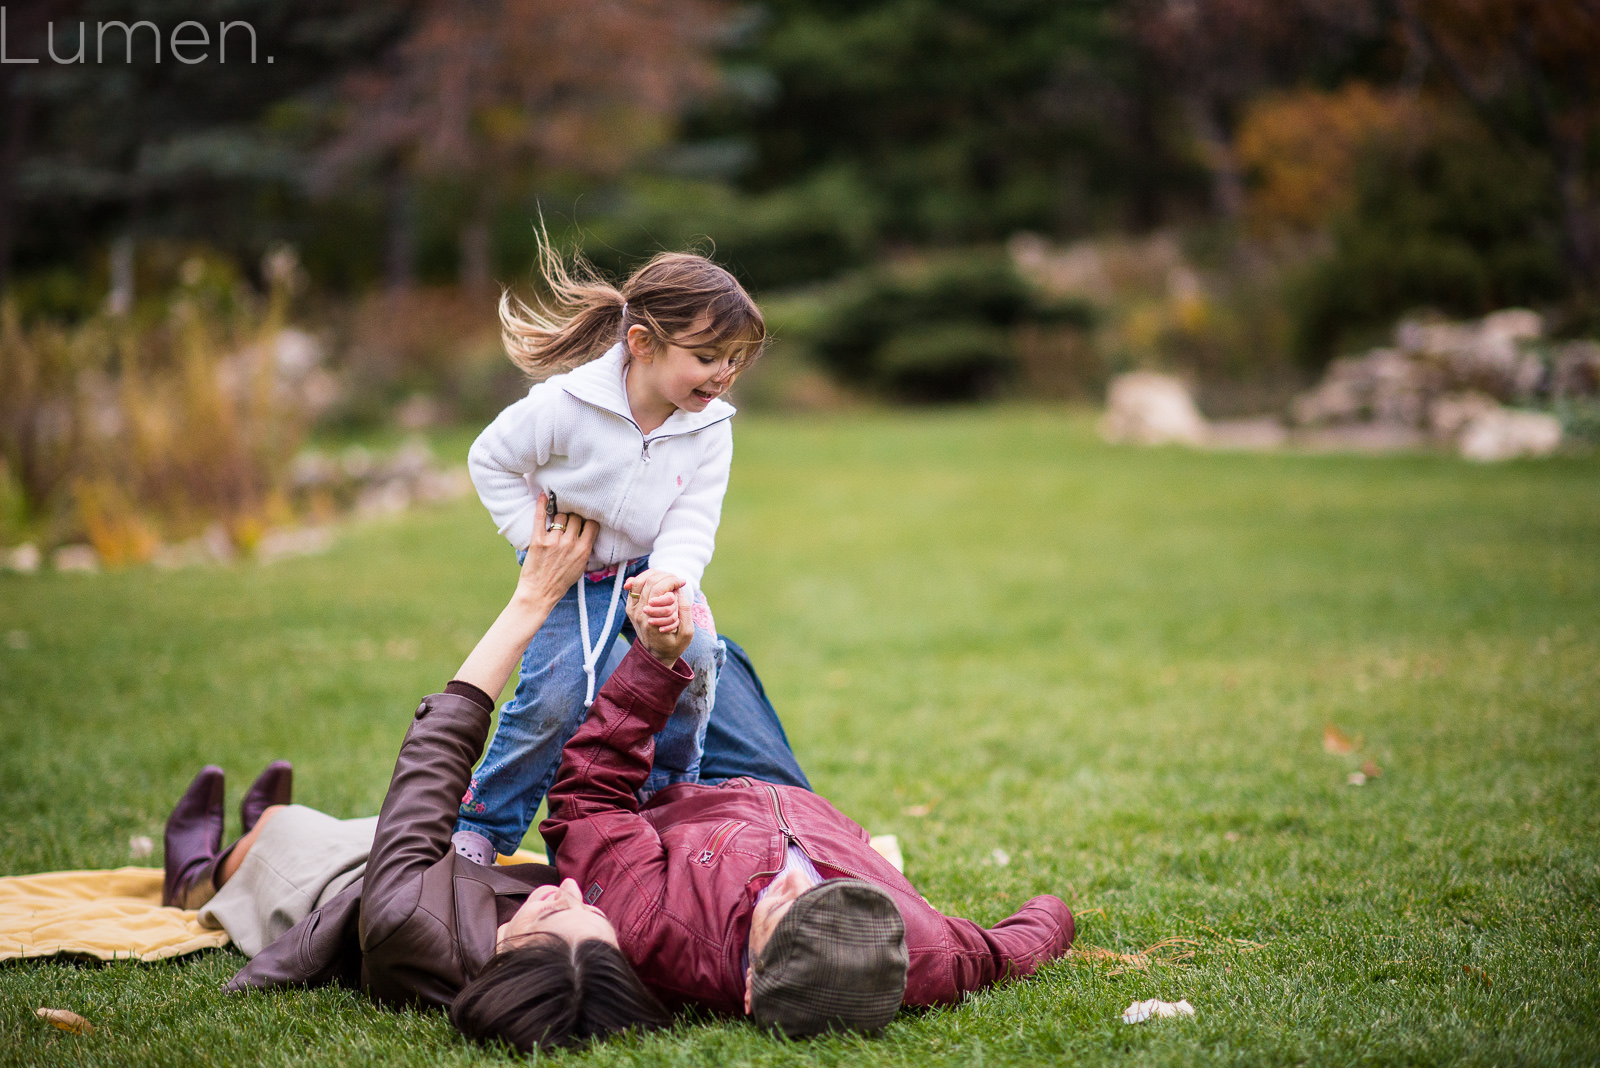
pixel 546 992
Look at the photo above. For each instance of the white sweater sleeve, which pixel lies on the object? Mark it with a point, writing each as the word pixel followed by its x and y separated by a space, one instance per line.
pixel 688 534
pixel 516 444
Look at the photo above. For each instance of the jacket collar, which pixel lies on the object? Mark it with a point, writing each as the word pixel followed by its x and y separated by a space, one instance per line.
pixel 600 383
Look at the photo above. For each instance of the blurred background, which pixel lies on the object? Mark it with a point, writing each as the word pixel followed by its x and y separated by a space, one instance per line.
pixel 246 246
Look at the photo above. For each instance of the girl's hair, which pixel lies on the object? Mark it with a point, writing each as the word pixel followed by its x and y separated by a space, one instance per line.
pixel 546 992
pixel 679 297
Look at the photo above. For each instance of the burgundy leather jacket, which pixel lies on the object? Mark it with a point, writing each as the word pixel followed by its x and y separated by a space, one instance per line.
pixel 678 879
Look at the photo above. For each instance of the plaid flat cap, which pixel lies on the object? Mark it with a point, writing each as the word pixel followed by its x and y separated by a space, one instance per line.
pixel 836 961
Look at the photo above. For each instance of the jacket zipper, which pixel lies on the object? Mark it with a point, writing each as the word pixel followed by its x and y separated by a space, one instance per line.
pixel 789 835
pixel 719 838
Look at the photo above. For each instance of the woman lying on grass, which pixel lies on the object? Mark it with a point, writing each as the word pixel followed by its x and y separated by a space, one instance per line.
pixel 752 895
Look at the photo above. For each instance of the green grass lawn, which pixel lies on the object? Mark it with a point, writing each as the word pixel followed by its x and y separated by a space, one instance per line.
pixel 995 638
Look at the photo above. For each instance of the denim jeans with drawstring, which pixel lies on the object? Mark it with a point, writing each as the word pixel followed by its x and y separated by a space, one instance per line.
pixel 520 765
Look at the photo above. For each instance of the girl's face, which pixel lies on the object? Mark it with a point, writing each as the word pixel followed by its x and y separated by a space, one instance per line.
pixel 677 376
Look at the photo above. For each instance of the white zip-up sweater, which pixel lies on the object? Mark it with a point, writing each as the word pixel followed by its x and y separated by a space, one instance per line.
pixel 658 494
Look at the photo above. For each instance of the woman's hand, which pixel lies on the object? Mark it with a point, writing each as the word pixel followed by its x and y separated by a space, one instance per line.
pixel 554 562
pixel 657 598
pixel 555 557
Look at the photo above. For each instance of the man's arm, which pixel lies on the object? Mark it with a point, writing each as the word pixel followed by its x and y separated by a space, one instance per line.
pixel 975 957
pixel 449 730
pixel 610 756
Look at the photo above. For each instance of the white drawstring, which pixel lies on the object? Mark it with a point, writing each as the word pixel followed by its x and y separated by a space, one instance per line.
pixel 591 657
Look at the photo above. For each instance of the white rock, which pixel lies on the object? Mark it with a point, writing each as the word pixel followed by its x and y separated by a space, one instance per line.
pixel 1505 434
pixel 81 558
pixel 410 461
pixel 449 485
pixel 1449 415
pixel 1155 1008
pixel 281 543
pixel 1262 433
pixel 1144 408
pixel 24 558
pixel 418 412
pixel 1575 370
pixel 388 498
pixel 217 544
pixel 295 352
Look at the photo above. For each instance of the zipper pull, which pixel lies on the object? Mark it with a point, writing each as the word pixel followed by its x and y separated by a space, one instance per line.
pixel 644 452
pixel 705 856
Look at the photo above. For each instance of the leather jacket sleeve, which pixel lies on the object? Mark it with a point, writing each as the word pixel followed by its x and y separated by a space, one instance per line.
pixel 419 812
pixel 610 757
pixel 976 957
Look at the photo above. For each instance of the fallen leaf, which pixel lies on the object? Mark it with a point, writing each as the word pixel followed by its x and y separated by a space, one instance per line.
pixel 66 1020
pixel 918 811
pixel 1000 857
pixel 1355 778
pixel 1140 1011
pixel 140 846
pixel 1230 836
pixel 1478 973
pixel 1337 741
pixel 1370 770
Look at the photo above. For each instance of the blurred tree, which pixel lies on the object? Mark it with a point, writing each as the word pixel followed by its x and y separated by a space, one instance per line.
pixel 956 120
pixel 131 140
pixel 1447 220
pixel 1299 150
pixel 1215 56
pixel 1531 70
pixel 487 95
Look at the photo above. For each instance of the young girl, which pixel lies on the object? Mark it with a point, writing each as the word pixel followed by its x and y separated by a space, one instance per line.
pixel 636 436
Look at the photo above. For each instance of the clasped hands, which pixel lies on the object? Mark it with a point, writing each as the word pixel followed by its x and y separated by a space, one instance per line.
pixel 658 602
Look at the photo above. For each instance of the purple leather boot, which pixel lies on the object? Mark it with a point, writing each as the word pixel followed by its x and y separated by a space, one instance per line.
pixel 193 841
pixel 272 787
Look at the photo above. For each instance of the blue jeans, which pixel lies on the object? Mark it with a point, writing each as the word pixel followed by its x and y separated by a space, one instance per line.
pixel 745 736
pixel 520 765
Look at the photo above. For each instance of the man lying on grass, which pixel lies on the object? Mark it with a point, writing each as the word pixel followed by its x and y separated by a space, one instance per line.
pixel 751 895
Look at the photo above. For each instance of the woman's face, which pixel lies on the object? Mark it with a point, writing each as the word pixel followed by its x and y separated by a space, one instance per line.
pixel 561 911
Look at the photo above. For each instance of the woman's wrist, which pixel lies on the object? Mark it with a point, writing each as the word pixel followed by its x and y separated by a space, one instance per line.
pixel 533 603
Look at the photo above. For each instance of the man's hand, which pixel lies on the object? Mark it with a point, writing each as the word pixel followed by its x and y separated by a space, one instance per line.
pixel 555 558
pixel 662 608
pixel 662 601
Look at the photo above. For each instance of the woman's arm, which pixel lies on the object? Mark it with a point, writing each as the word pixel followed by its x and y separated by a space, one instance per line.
pixel 554 562
pixel 447 735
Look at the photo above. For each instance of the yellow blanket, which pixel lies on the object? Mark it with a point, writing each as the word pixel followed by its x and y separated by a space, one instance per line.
pixel 112 915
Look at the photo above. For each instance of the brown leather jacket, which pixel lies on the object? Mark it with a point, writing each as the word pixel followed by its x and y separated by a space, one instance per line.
pixel 423 920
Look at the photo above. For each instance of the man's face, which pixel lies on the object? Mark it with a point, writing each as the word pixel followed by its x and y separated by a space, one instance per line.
pixel 769 910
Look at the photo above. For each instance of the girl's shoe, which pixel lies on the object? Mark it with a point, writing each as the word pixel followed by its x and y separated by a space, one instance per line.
pixel 193 840
pixel 272 787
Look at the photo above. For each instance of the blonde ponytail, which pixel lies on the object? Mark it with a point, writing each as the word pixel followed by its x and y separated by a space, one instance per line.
pixel 678 297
